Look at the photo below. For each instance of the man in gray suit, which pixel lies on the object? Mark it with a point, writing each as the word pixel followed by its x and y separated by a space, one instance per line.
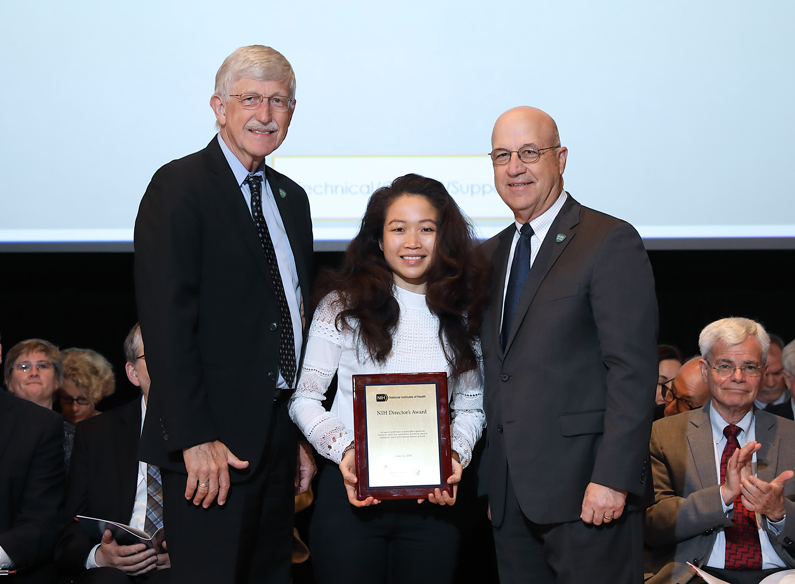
pixel 570 354
pixel 709 508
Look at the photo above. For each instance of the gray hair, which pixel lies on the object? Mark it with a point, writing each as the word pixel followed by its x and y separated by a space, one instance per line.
pixel 788 358
pixel 254 62
pixel 732 331
pixel 132 344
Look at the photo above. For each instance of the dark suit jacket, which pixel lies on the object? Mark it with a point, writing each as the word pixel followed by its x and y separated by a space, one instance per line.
pixel 31 480
pixel 207 307
pixel 683 522
pixel 569 401
pixel 102 479
pixel 784 410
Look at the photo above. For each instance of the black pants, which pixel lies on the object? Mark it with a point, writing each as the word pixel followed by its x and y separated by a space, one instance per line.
pixel 568 553
pixel 249 538
pixel 113 576
pixel 394 542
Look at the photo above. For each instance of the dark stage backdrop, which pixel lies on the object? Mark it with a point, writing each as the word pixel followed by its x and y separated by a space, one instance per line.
pixel 87 299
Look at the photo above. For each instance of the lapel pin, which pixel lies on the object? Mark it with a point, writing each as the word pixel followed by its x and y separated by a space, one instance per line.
pixel 282 193
pixel 560 237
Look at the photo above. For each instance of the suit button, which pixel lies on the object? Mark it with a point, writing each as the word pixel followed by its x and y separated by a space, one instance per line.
pixel 504 377
pixel 271 376
pixel 787 541
pixel 499 428
pixel 274 326
pixel 165 436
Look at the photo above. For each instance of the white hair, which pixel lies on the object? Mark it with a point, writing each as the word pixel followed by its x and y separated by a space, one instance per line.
pixel 788 358
pixel 255 62
pixel 732 331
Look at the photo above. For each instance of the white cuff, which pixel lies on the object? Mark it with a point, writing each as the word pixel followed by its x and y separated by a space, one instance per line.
pixel 776 526
pixel 91 560
pixel 726 508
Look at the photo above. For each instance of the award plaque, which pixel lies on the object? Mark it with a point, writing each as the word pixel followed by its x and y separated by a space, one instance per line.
pixel 402 435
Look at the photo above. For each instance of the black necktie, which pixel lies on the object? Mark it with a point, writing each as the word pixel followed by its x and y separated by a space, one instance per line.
pixel 286 339
pixel 520 268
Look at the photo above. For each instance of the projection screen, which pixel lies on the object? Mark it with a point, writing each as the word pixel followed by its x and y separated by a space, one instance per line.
pixel 678 116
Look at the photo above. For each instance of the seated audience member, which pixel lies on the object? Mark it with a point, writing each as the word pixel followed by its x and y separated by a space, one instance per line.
pixel 107 481
pixel 669 361
pixel 87 378
pixel 773 391
pixel 33 371
pixel 31 489
pixel 687 391
pixel 787 409
pixel 705 493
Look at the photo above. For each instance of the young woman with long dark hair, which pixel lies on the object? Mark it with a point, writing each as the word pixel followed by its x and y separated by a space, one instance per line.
pixel 408 298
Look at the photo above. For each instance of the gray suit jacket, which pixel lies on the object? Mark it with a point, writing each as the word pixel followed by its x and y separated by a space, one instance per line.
pixel 569 400
pixel 683 521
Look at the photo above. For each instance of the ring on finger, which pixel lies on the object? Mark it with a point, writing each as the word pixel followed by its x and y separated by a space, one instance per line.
pixel 608 517
pixel 203 485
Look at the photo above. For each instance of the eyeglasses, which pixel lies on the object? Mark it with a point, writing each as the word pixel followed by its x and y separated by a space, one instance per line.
pixel 40 367
pixel 664 385
pixel 68 400
pixel 727 369
pixel 669 395
pixel 141 357
pixel 528 154
pixel 254 100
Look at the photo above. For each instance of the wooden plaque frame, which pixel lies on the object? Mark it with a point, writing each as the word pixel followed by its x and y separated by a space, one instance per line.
pixel 360 385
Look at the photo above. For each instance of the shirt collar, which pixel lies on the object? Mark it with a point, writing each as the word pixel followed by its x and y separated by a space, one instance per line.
pixel 240 171
pixel 543 222
pixel 718 424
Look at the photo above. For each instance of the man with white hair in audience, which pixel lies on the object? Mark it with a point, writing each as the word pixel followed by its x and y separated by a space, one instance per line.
pixel 787 409
pixel 723 494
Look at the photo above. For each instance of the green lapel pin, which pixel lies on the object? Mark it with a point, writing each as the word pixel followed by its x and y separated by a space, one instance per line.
pixel 282 193
pixel 560 237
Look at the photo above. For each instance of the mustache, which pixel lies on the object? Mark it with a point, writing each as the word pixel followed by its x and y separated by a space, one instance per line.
pixel 259 127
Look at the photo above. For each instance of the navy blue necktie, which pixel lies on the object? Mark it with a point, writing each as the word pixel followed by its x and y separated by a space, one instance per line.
pixel 520 268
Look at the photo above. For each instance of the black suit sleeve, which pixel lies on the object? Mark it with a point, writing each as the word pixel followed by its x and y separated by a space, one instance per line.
pixel 37 503
pixel 168 271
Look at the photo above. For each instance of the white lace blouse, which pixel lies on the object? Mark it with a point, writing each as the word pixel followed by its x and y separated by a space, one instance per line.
pixel 415 349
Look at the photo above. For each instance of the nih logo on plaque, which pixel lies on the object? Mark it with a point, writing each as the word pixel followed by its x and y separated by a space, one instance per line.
pixel 381 397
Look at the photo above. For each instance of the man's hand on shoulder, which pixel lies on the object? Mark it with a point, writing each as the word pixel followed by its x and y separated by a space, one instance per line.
pixel 602 504
pixel 208 472
pixel 133 560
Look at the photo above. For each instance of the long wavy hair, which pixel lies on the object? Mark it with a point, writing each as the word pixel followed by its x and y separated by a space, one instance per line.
pixel 456 285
